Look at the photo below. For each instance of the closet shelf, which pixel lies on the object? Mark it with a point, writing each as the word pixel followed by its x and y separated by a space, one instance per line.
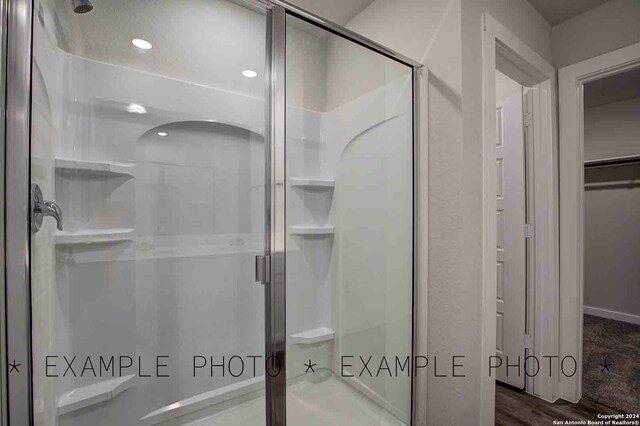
pixel 310 337
pixel 312 183
pixel 613 162
pixel 89 236
pixel 311 230
pixel 94 168
pixel 611 184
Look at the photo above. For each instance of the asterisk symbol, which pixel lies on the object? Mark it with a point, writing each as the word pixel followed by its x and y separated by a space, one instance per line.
pixel 14 366
pixel 605 366
pixel 310 366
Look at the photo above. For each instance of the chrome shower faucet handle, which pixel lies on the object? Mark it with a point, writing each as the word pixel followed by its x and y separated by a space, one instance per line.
pixel 41 208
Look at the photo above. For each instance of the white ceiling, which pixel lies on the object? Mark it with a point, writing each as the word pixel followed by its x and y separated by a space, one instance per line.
pixel 557 11
pixel 202 41
pixel 207 42
pixel 338 11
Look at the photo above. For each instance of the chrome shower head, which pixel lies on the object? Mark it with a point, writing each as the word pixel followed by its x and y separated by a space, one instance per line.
pixel 82 6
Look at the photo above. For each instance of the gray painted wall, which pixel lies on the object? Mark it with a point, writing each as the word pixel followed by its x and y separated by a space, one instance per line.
pixel 612 209
pixel 608 27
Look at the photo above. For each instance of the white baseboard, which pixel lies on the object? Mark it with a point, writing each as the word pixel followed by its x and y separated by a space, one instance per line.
pixel 618 316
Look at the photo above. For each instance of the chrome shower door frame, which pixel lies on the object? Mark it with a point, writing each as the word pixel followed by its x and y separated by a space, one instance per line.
pixel 16 27
pixel 17 309
pixel 275 248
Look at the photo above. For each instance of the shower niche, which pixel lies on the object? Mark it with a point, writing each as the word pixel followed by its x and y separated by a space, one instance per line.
pixel 203 178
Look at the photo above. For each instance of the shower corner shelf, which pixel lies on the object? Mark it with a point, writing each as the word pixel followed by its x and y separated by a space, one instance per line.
pixel 89 236
pixel 312 183
pixel 95 168
pixel 310 337
pixel 311 230
pixel 93 394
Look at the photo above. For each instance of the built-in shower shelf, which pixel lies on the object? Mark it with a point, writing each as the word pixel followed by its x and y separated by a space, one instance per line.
pixel 93 394
pixel 89 236
pixel 311 230
pixel 310 337
pixel 312 183
pixel 94 168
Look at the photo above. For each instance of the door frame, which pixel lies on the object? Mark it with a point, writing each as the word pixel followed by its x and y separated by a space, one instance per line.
pixel 16 21
pixel 18 56
pixel 571 83
pixel 501 44
pixel 3 364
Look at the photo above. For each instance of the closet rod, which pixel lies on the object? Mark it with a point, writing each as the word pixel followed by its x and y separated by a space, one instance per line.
pixel 612 162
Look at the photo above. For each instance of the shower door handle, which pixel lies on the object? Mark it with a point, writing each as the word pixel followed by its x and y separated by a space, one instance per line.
pixel 263 268
pixel 41 208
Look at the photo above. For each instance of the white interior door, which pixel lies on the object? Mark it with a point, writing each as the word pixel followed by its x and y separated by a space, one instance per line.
pixel 511 217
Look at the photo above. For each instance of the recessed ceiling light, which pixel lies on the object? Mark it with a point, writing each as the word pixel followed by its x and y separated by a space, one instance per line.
pixel 136 109
pixel 141 44
pixel 249 73
pixel 163 134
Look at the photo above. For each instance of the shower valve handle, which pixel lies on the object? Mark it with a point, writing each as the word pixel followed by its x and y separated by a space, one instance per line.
pixel 41 208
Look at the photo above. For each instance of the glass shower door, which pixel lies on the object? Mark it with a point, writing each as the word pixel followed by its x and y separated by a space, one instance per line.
pixel 349 268
pixel 148 173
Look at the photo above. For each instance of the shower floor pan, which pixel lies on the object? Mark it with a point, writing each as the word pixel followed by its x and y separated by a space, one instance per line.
pixel 325 403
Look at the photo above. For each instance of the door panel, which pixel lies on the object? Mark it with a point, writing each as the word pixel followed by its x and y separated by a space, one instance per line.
pixel 511 255
pixel 155 154
pixel 349 231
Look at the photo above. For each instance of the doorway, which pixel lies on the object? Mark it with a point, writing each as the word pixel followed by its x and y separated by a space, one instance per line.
pixel 601 319
pixel 514 125
pixel 205 215
pixel 535 295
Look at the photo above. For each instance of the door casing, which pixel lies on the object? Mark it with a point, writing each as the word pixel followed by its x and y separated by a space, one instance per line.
pixel 500 44
pixel 571 84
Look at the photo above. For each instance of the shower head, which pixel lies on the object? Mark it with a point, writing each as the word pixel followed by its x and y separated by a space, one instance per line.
pixel 82 6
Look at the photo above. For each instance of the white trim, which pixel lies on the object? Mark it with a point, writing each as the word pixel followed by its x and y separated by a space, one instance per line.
pixel 546 268
pixel 533 68
pixel 421 270
pixel 571 81
pixel 614 315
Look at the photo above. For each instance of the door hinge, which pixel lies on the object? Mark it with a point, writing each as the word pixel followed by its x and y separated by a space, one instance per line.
pixel 263 269
pixel 528 230
pixel 528 119
pixel 528 341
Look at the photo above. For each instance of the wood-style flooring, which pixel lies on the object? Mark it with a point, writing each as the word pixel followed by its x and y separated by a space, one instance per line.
pixel 515 407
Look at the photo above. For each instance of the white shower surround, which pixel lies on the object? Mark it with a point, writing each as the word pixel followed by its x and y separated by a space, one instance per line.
pixel 90 84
